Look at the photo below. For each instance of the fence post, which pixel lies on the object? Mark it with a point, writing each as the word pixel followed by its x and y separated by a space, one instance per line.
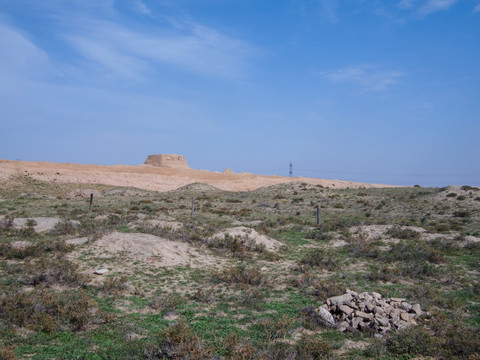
pixel 319 216
pixel 91 204
pixel 193 206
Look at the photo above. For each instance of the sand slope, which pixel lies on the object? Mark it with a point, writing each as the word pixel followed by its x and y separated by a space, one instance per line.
pixel 155 178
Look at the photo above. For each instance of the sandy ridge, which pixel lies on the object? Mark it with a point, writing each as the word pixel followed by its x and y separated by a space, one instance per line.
pixel 155 178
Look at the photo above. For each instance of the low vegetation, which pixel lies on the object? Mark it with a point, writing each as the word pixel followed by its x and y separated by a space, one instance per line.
pixel 233 298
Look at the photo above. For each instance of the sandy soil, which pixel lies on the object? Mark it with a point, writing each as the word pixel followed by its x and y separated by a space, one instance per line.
pixel 155 178
pixel 149 249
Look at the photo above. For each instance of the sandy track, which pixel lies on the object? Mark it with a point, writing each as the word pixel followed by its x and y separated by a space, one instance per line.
pixel 155 178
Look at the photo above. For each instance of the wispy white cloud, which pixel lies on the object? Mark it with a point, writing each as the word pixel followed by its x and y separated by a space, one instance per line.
pixel 406 4
pixel 130 52
pixel 328 9
pixel 142 8
pixel 368 77
pixel 477 8
pixel 20 55
pixel 432 6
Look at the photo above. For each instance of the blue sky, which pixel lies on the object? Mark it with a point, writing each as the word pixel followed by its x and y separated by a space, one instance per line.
pixel 366 90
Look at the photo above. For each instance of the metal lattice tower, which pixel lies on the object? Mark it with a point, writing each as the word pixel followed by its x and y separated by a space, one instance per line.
pixel 290 173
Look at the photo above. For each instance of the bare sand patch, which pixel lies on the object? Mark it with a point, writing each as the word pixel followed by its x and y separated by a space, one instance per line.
pixel 42 224
pixel 150 249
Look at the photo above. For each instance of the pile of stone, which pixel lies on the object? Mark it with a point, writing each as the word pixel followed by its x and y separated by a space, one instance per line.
pixel 368 312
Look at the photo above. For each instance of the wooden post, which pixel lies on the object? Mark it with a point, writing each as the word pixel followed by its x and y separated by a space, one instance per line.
pixel 91 204
pixel 319 216
pixel 193 207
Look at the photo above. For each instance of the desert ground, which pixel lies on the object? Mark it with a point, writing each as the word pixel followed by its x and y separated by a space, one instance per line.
pixel 389 273
pixel 155 178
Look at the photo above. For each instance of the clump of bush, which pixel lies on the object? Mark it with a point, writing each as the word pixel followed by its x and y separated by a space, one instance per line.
pixel 312 347
pixel 64 228
pixel 319 234
pixel 362 248
pixel 275 328
pixel 47 311
pixel 326 288
pixel 168 302
pixel 113 285
pixel 437 337
pixel 179 342
pixel 320 258
pixel 241 275
pixel 412 251
pixel 50 271
pixel 238 245
pixel 404 234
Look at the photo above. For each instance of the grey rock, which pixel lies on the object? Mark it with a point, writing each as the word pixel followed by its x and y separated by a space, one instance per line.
pixel 363 315
pixel 325 315
pixel 340 300
pixel 100 271
pixel 356 321
pixel 345 309
pixel 383 321
pixel 406 306
pixel 417 310
pixel 404 316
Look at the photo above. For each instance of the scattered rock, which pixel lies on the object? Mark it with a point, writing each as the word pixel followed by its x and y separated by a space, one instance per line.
pixel 368 312
pixel 100 271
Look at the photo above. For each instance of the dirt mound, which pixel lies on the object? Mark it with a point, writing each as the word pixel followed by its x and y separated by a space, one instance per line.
pixel 251 235
pixel 168 160
pixel 150 249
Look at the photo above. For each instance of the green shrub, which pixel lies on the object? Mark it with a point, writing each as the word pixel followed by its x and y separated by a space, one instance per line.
pixel 64 228
pixel 321 258
pixel 412 251
pixel 326 288
pixel 113 285
pixel 312 348
pixel 412 341
pixel 241 274
pixel 461 213
pixel 238 245
pixel 275 328
pixel 168 302
pixel 179 342
pixel 50 271
pixel 404 234
pixel 45 310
